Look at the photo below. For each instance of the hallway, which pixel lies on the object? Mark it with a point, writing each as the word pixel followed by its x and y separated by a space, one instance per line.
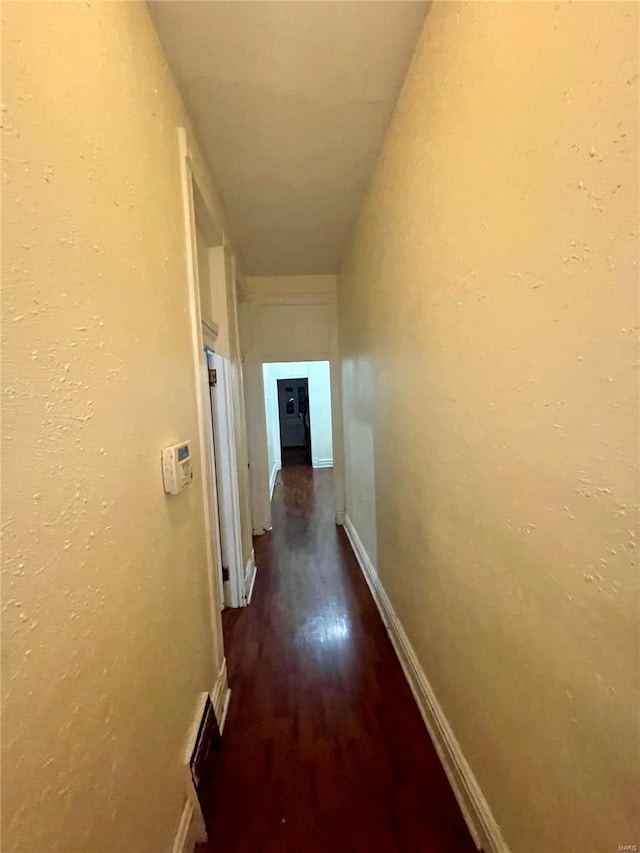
pixel 324 748
pixel 422 218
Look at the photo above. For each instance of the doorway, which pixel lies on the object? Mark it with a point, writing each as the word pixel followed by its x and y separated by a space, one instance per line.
pixel 222 538
pixel 218 428
pixel 225 481
pixel 304 435
pixel 294 421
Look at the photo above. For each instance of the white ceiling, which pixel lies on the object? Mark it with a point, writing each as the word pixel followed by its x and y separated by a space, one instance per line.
pixel 291 101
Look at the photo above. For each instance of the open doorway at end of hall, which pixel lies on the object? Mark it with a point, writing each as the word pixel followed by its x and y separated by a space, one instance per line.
pixel 294 422
pixel 298 414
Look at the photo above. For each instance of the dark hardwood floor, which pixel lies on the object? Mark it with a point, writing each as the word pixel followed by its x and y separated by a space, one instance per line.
pixel 324 748
pixel 292 456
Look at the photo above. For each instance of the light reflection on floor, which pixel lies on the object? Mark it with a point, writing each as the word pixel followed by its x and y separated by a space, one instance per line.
pixel 327 628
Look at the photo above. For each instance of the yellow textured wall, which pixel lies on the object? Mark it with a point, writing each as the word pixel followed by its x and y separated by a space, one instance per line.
pixel 488 325
pixel 107 636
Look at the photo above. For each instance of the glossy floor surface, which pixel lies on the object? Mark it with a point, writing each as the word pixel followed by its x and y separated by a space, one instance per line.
pixel 324 748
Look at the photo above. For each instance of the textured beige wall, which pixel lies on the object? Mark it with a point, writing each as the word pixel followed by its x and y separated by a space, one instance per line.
pixel 488 321
pixel 107 636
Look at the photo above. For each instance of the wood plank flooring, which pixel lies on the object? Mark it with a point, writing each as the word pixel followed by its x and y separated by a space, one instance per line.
pixel 324 748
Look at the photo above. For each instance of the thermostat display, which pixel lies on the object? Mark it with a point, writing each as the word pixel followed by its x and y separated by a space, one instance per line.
pixel 176 467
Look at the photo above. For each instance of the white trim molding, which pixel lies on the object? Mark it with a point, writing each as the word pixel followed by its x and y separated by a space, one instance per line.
pixel 249 577
pixel 293 299
pixel 473 804
pixel 322 463
pixel 220 695
pixel 200 381
pixel 210 332
pixel 226 477
pixel 189 831
pixel 273 477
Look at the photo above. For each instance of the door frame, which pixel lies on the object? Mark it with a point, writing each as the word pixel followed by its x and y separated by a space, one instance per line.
pixel 211 431
pixel 228 491
pixel 216 416
pixel 201 334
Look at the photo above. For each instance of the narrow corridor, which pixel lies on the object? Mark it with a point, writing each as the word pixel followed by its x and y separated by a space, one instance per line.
pixel 324 748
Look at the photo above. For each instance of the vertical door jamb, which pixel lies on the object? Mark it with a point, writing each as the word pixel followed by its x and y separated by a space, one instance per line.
pixel 201 389
pixel 227 474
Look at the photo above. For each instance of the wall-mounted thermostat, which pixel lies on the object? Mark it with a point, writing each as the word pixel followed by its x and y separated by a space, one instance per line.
pixel 176 467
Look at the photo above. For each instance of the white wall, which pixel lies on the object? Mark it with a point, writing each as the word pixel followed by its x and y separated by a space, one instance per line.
pixel 273 423
pixel 320 414
pixel 318 375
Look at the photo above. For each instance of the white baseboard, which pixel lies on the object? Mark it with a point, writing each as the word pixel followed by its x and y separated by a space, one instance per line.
pixel 189 832
pixel 322 463
pixel 340 516
pixel 249 577
pixel 272 479
pixel 220 695
pixel 477 814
